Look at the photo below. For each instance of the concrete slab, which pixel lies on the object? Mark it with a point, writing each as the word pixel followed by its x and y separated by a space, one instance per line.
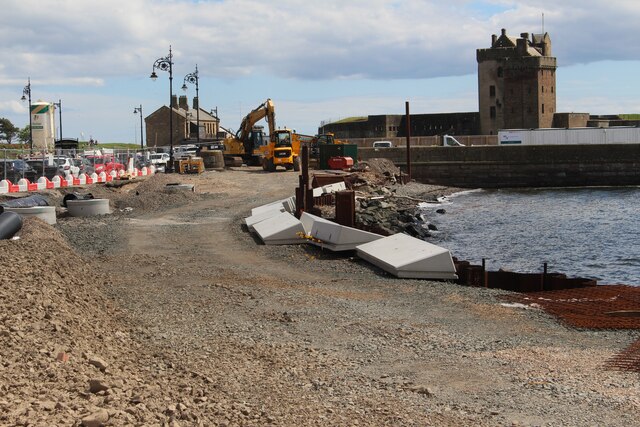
pixel 407 257
pixel 336 237
pixel 254 219
pixel 288 204
pixel 282 229
pixel 274 206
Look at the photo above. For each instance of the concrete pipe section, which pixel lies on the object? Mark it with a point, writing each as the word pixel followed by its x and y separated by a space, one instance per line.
pixel 45 213
pixel 88 207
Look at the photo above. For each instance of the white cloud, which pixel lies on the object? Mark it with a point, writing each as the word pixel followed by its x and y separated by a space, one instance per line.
pixel 294 38
pixel 12 106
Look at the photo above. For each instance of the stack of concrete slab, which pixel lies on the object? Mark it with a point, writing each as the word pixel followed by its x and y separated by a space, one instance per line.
pixel 329 188
pixel 280 229
pixel 407 257
pixel 269 210
pixel 336 237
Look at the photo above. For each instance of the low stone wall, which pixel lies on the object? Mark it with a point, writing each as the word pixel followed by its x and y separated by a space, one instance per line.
pixel 519 166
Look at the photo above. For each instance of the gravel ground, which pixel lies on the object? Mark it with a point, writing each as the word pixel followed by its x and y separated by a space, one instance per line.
pixel 169 313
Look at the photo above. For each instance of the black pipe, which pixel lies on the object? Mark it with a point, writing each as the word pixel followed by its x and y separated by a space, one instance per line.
pixel 76 196
pixel 10 224
pixel 25 202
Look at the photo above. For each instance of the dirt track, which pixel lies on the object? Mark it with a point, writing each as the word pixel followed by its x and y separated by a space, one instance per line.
pixel 203 325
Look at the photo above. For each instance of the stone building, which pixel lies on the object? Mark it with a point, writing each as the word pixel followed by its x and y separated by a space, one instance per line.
pixel 391 126
pixel 516 83
pixel 185 124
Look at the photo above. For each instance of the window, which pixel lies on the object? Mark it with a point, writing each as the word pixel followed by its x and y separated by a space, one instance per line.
pixel 500 72
pixel 551 89
pixel 542 89
pixel 542 108
pixel 492 112
pixel 492 90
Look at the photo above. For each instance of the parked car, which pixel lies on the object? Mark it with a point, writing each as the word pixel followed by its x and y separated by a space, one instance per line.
pixel 67 165
pixel 84 165
pixel 105 164
pixel 159 159
pixel 16 169
pixel 382 144
pixel 50 169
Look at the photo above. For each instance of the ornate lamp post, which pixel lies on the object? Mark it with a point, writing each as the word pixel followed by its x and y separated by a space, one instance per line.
pixel 166 64
pixel 59 105
pixel 137 110
pixel 193 79
pixel 27 92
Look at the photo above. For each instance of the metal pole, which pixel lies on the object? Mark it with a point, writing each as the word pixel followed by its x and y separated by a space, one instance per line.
pixel 27 89
pixel 60 115
pixel 141 140
pixel 170 110
pixel 197 110
pixel 408 141
pixel 166 64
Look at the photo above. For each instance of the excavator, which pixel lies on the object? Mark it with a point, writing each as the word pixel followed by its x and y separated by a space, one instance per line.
pixel 249 139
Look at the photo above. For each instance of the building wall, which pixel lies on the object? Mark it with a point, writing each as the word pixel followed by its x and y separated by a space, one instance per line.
pixel 393 126
pixel 157 128
pixel 570 120
pixel 516 83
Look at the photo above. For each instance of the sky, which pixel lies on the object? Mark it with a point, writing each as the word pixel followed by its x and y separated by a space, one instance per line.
pixel 318 61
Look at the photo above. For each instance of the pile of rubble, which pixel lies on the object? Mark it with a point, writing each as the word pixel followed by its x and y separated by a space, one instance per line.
pixel 387 206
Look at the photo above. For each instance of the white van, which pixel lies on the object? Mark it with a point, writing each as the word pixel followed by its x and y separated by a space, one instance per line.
pixel 185 151
pixel 382 144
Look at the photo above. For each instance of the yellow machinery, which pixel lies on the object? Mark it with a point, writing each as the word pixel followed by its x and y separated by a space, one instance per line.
pixel 248 141
pixel 321 139
pixel 191 164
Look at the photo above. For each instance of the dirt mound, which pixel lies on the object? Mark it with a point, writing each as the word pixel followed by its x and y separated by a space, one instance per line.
pixel 381 167
pixel 56 327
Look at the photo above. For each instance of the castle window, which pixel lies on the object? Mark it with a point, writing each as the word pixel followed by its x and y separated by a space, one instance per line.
pixel 551 89
pixel 492 90
pixel 492 112
pixel 542 89
pixel 500 72
pixel 542 108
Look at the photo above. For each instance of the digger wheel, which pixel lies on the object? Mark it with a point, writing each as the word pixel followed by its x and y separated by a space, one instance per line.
pixel 296 164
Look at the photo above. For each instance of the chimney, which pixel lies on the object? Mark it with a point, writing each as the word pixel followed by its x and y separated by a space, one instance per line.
pixel 196 104
pixel 523 44
pixel 183 102
pixel 494 39
pixel 503 32
pixel 174 101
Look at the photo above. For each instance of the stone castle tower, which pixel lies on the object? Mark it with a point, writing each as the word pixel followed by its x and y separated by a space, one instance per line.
pixel 516 83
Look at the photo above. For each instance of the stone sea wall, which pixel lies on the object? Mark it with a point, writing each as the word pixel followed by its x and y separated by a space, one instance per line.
pixel 518 166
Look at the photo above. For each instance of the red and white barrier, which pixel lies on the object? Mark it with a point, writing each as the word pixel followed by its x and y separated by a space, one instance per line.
pixel 24 185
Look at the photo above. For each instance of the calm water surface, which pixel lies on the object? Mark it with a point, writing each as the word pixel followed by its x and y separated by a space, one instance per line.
pixel 588 232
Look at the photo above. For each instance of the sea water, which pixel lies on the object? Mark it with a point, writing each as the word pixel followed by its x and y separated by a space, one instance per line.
pixel 582 232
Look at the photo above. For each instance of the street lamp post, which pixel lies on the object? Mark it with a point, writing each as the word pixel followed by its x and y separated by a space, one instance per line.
pixel 59 105
pixel 193 79
pixel 27 92
pixel 166 64
pixel 137 110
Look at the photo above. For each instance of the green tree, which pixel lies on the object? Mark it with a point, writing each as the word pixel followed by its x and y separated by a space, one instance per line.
pixel 7 130
pixel 24 134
